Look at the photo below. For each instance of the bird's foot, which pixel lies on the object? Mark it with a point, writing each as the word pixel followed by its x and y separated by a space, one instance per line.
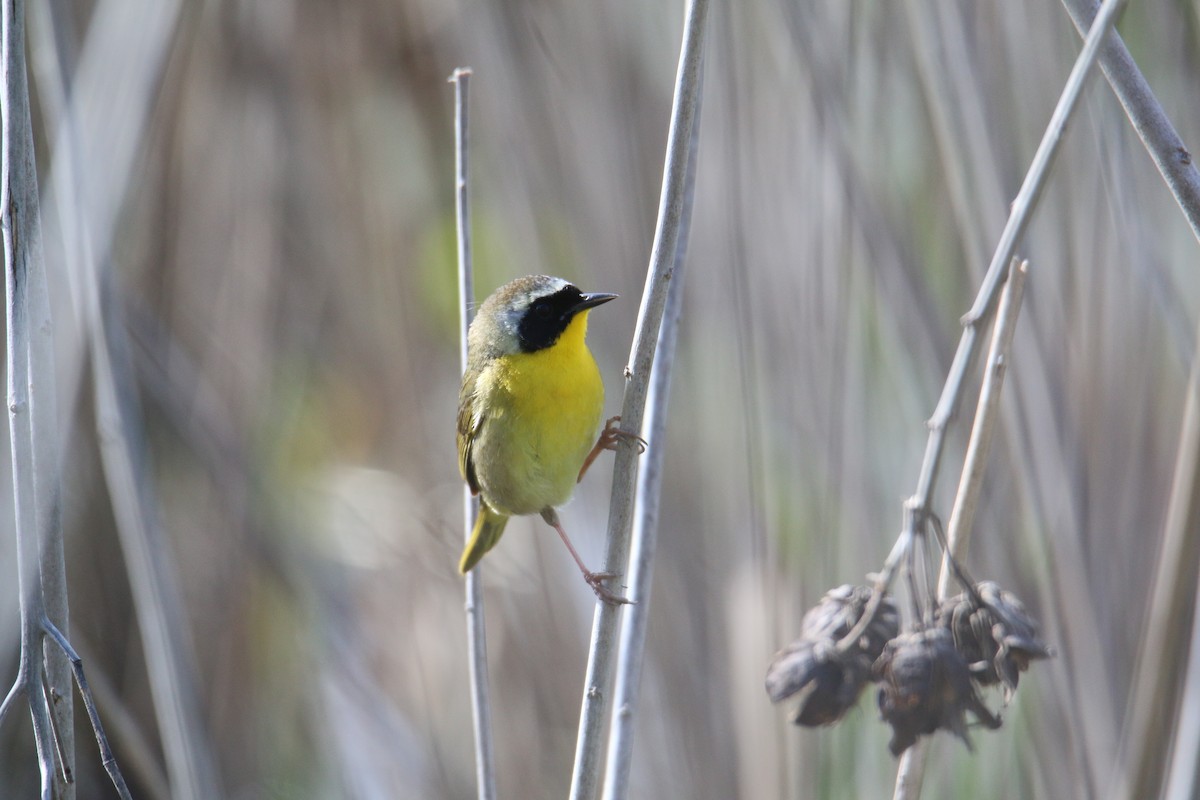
pixel 611 436
pixel 596 581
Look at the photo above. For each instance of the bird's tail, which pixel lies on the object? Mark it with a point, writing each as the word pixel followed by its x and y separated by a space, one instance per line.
pixel 488 527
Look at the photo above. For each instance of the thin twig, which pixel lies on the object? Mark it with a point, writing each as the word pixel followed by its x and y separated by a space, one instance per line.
pixel 1179 778
pixel 962 514
pixel 481 708
pixel 1043 159
pixel 139 754
pixel 1153 127
pixel 15 693
pixel 908 775
pixel 22 258
pixel 632 646
pixel 589 746
pixel 917 507
pixel 65 773
pixel 1153 704
pixel 911 770
pixel 107 759
pixel 44 417
pixel 92 166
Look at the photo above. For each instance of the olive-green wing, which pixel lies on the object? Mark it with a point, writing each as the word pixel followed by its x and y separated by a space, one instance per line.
pixel 468 424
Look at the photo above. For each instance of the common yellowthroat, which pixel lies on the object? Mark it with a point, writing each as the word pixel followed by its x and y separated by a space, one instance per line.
pixel 529 410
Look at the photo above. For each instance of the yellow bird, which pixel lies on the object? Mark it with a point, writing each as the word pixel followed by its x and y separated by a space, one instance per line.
pixel 529 409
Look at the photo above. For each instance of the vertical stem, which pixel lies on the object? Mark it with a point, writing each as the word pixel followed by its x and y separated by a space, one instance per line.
pixel 911 770
pixel 93 168
pixel 46 454
pixel 1152 707
pixel 22 258
pixel 481 710
pixel 962 515
pixel 590 744
pixel 645 527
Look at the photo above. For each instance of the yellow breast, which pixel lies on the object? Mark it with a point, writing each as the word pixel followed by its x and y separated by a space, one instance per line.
pixel 540 413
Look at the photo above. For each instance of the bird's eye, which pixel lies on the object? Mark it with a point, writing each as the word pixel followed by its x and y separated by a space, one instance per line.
pixel 542 310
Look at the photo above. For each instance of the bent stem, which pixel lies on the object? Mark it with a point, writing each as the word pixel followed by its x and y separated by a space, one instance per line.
pixel 917 507
pixel 909 773
pixel 107 759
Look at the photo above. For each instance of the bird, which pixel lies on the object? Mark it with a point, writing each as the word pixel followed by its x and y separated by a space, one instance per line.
pixel 529 411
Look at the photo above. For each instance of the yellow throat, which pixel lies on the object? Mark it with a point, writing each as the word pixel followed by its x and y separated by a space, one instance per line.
pixel 544 410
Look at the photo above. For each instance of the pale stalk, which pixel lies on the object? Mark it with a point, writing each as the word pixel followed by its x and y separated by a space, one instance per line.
pixel 1153 704
pixel 33 424
pixel 970 484
pixel 590 745
pixel 908 776
pixel 1154 128
pixel 23 260
pixel 632 648
pixel 98 141
pixel 910 773
pixel 916 508
pixel 481 708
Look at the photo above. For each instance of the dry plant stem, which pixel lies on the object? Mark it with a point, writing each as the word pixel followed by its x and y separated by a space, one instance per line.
pixel 1180 778
pixel 908 775
pixel 1155 693
pixel 649 488
pixel 481 709
pixel 590 744
pixel 1162 142
pixel 1039 170
pixel 131 41
pixel 962 514
pixel 23 260
pixel 139 753
pixel 151 571
pixel 911 769
pixel 48 478
pixel 916 508
pixel 1153 698
pixel 107 759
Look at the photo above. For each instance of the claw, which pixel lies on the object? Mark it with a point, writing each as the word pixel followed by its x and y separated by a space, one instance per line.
pixel 596 581
pixel 610 437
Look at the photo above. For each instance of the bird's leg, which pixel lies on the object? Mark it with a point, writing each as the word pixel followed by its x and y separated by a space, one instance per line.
pixel 609 437
pixel 594 579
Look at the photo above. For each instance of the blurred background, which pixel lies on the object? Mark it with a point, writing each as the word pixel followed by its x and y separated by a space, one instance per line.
pixel 269 188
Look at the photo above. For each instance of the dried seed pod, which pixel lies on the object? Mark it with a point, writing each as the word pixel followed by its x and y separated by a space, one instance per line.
pixel 997 637
pixel 926 686
pixel 824 684
pixel 823 680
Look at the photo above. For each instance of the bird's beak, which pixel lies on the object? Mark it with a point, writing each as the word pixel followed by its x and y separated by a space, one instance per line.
pixel 591 300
